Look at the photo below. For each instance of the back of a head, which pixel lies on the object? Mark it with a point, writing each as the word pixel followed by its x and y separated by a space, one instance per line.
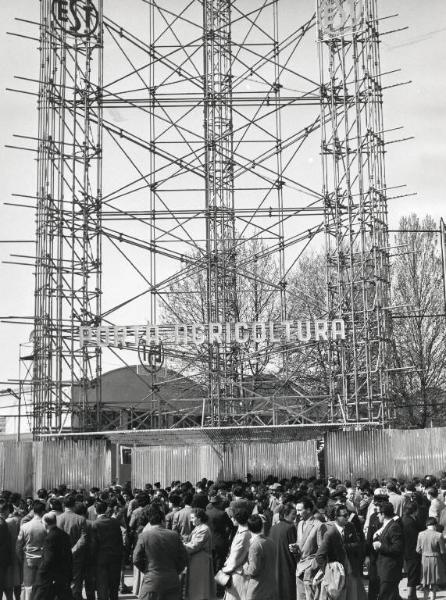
pixel 155 514
pixel 187 498
pixel 410 508
pixel 433 492
pixel 4 507
pixel 255 524
pixel 70 502
pixel 100 507
pixel 39 508
pixel 391 486
pixel 387 510
pixel 56 504
pixel 49 519
pixel 238 491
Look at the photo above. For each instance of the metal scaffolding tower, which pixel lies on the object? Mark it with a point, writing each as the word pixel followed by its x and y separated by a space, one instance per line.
pixel 68 214
pixel 355 196
pixel 179 181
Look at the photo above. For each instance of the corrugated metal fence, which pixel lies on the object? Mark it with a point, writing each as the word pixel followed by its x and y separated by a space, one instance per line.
pixel 388 452
pixel 16 467
pixel 191 463
pixel 27 466
pixel 77 463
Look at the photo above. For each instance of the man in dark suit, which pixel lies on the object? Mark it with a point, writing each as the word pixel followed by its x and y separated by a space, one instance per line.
pixel 412 559
pixel 389 544
pixel 5 545
pixel 54 573
pixel 161 556
pixel 260 567
pixel 76 527
pixel 372 555
pixel 106 552
pixel 221 526
pixel 342 544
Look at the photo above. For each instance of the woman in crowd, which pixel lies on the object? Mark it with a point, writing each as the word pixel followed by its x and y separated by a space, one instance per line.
pixel 201 584
pixel 238 553
pixel 431 546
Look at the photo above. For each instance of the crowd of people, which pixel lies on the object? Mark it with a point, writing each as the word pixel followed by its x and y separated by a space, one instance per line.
pixel 293 539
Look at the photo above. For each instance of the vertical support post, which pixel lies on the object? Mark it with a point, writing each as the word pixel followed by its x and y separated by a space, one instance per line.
pixel 219 199
pixel 66 378
pixel 354 190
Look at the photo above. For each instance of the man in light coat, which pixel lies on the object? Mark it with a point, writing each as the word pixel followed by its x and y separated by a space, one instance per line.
pixel 310 532
pixel 29 547
pixel 260 567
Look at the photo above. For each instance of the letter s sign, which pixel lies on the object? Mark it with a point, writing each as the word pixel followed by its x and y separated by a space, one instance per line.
pixel 75 17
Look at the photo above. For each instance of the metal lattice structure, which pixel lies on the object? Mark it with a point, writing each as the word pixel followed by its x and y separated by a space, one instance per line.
pixel 355 193
pixel 68 214
pixel 179 180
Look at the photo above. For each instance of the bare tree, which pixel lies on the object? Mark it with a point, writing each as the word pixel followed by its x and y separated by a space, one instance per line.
pixel 419 325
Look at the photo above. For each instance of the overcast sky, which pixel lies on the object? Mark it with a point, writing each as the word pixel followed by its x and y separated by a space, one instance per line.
pixel 420 53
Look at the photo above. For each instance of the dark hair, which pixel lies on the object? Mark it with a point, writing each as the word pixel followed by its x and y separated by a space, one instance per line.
pixel 80 509
pixel 39 507
pixel 432 492
pixel 187 498
pixel 69 502
pixel 306 502
pixel 155 515
pixel 241 513
pixel 410 508
pixel 49 519
pixel 431 521
pixel 56 504
pixel 288 509
pixel 4 506
pixel 201 514
pixel 391 486
pixel 238 491
pixel 339 509
pixel 175 499
pixel 386 509
pixel 100 507
pixel 255 524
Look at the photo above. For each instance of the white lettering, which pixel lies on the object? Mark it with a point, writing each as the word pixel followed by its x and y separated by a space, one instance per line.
pixel 198 336
pixel 180 334
pixel 272 337
pixel 320 330
pixel 85 335
pixel 338 329
pixel 241 333
pixel 103 336
pixel 215 333
pixel 259 332
pixel 152 334
pixel 287 330
pixel 301 336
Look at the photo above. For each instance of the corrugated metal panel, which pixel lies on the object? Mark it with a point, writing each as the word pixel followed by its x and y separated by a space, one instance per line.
pixel 16 467
pixel 81 463
pixel 224 462
pixel 381 453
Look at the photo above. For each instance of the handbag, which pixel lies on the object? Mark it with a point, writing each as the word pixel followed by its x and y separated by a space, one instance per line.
pixel 334 580
pixel 222 578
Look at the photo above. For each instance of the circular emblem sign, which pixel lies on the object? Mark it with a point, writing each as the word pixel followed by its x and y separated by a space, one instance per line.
pixel 151 356
pixel 76 17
